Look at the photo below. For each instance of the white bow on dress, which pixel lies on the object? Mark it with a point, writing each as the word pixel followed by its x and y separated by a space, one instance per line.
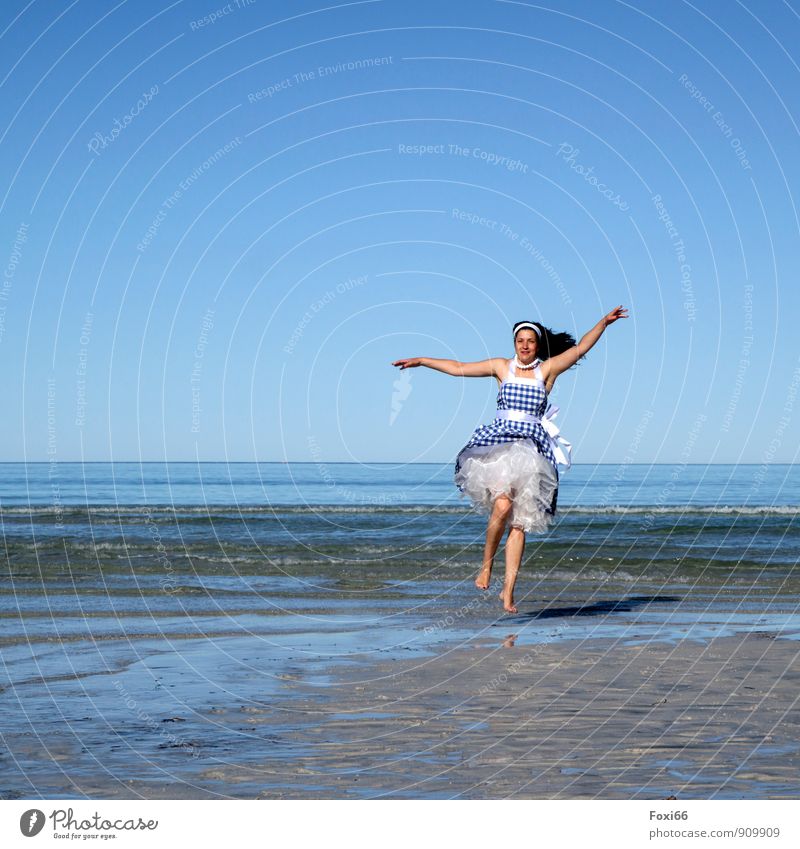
pixel 562 450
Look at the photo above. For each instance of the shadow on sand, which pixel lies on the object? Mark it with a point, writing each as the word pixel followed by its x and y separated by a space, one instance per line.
pixel 598 608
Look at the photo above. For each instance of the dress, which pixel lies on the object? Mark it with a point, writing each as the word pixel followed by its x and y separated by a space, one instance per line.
pixel 517 455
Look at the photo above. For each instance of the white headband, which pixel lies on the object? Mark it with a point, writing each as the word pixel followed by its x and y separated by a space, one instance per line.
pixel 526 325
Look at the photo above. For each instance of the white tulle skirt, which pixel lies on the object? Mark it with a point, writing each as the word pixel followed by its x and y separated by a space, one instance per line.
pixel 515 469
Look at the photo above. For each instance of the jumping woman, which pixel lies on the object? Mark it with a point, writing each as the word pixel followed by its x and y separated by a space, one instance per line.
pixel 509 468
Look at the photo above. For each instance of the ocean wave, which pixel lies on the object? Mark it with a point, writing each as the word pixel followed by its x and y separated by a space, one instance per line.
pixel 220 511
pixel 684 509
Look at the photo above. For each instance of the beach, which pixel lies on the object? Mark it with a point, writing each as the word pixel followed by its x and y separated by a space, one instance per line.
pixel 295 650
pixel 584 719
pixel 650 721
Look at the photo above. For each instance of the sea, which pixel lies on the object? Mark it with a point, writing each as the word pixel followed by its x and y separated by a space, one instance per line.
pixel 347 539
pixel 138 596
pixel 182 520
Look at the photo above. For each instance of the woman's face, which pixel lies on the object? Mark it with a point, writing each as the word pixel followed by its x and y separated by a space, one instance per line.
pixel 526 344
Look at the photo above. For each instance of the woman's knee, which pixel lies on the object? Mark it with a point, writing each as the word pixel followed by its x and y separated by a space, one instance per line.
pixel 502 506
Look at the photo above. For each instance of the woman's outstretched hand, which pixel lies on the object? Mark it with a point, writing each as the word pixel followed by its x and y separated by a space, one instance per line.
pixel 619 312
pixel 413 362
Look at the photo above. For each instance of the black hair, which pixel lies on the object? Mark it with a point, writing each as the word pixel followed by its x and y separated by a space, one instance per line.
pixel 550 343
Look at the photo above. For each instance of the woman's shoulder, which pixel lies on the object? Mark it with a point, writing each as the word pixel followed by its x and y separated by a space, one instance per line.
pixel 543 370
pixel 502 368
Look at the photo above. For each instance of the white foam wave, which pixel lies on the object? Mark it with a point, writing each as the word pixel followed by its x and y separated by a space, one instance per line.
pixel 216 511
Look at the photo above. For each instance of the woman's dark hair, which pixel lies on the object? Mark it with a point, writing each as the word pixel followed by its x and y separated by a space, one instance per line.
pixel 550 343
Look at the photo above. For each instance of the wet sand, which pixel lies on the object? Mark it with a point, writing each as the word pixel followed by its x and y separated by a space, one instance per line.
pixel 545 714
pixel 565 720
pixel 556 721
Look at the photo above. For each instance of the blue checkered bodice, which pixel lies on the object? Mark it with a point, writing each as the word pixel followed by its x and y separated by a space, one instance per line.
pixel 523 393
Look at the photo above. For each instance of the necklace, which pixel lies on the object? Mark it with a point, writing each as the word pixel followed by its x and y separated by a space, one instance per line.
pixel 518 364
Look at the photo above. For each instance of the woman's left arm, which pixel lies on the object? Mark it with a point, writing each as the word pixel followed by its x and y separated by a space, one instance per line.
pixel 554 366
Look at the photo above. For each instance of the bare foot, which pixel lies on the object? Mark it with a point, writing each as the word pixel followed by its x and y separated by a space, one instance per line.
pixel 508 602
pixel 484 577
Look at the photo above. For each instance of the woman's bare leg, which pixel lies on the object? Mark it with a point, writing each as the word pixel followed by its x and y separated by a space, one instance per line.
pixel 494 533
pixel 515 546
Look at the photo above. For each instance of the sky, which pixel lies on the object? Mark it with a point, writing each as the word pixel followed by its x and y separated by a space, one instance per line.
pixel 221 224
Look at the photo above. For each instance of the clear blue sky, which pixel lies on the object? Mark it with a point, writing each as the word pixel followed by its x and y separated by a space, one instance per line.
pixel 222 222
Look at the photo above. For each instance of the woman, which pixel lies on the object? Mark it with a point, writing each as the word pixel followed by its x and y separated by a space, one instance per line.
pixel 509 468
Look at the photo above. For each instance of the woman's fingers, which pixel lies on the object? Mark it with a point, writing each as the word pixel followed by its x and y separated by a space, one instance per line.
pixel 619 312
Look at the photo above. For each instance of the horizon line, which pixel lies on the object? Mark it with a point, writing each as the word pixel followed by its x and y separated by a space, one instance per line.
pixel 344 463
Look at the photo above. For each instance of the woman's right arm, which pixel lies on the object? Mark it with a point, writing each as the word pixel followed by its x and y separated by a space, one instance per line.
pixel 561 362
pixel 483 368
